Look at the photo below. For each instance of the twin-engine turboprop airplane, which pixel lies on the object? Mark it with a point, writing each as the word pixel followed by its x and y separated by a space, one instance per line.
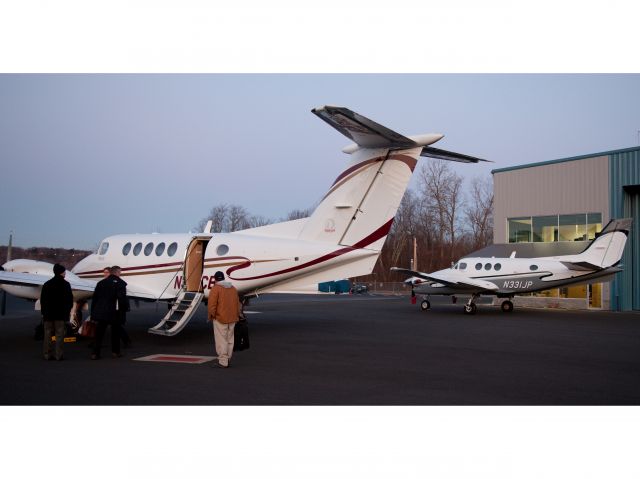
pixel 506 277
pixel 342 237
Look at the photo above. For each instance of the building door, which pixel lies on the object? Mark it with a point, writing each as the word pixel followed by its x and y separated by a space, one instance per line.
pixel 595 296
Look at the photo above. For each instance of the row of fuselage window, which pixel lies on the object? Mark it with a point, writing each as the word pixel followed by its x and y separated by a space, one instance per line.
pixel 488 266
pixel 148 249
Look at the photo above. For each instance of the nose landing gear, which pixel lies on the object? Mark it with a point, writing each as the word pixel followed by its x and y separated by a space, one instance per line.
pixel 470 307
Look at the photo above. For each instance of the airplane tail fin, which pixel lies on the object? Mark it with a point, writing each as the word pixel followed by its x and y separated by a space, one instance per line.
pixel 606 250
pixel 359 208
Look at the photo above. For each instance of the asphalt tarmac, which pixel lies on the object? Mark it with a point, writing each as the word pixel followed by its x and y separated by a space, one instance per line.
pixel 343 350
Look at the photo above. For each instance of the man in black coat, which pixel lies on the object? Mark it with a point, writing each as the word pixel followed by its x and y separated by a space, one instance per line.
pixel 123 309
pixel 56 301
pixel 108 297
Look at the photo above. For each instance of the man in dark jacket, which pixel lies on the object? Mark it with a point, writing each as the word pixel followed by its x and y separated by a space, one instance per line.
pixel 108 296
pixel 56 301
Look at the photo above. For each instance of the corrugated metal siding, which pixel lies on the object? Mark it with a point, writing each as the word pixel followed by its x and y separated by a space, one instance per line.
pixel 579 186
pixel 624 171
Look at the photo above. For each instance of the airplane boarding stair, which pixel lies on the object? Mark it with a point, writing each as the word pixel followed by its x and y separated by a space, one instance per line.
pixel 179 315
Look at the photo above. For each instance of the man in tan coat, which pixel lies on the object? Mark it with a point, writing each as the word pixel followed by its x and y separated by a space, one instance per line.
pixel 224 310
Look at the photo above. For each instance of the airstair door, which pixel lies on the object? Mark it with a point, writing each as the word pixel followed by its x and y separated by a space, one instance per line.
pixel 194 264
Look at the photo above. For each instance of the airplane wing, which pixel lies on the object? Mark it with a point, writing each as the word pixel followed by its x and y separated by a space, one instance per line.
pixel 451 279
pixel 28 279
pixel 77 284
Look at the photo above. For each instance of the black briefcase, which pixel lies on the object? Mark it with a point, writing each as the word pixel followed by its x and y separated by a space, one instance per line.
pixel 241 336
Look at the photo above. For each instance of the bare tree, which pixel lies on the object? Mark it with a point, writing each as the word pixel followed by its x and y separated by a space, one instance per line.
pixel 237 218
pixel 257 220
pixel 299 214
pixel 479 212
pixel 218 216
pixel 441 191
pixel 403 230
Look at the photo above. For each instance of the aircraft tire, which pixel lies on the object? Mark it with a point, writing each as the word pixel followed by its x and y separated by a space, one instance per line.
pixel 425 305
pixel 506 306
pixel 470 308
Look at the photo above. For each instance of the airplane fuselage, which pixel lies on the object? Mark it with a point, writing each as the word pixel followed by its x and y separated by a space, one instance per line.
pixel 158 264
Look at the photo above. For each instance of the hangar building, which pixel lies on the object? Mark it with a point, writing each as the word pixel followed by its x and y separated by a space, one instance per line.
pixel 556 207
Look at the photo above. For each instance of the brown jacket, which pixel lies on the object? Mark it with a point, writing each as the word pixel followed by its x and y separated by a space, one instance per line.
pixel 224 305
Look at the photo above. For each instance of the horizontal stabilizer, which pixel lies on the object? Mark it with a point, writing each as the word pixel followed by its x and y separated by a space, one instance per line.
pixel 449 155
pixel 364 132
pixel 580 266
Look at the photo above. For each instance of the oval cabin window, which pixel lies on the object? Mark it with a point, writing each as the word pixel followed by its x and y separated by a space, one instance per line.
pixel 171 250
pixel 148 249
pixel 160 249
pixel 126 248
pixel 222 250
pixel 137 248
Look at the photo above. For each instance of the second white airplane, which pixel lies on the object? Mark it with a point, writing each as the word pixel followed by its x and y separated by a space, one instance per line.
pixel 506 277
pixel 342 238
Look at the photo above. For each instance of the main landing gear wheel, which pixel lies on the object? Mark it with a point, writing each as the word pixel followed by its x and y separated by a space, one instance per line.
pixel 425 305
pixel 470 308
pixel 507 306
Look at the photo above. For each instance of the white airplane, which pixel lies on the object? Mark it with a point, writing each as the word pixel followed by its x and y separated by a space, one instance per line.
pixel 506 277
pixel 342 237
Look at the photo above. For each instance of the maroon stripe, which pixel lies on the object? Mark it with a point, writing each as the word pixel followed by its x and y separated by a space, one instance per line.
pixel 348 171
pixel 372 238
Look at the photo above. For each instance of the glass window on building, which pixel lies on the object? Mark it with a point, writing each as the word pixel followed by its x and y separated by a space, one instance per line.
pixel 573 227
pixel 519 230
pixel 576 292
pixel 545 229
pixel 594 225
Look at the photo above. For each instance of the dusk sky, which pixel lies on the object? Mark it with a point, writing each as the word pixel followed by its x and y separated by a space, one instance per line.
pixel 87 156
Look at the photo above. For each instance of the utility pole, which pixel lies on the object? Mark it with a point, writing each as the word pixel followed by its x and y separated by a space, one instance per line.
pixel 414 265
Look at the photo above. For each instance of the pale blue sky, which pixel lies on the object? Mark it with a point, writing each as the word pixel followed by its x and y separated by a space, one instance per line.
pixel 87 156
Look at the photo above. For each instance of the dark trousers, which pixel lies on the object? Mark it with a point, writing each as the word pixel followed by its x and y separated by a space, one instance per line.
pixel 124 336
pixel 101 328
